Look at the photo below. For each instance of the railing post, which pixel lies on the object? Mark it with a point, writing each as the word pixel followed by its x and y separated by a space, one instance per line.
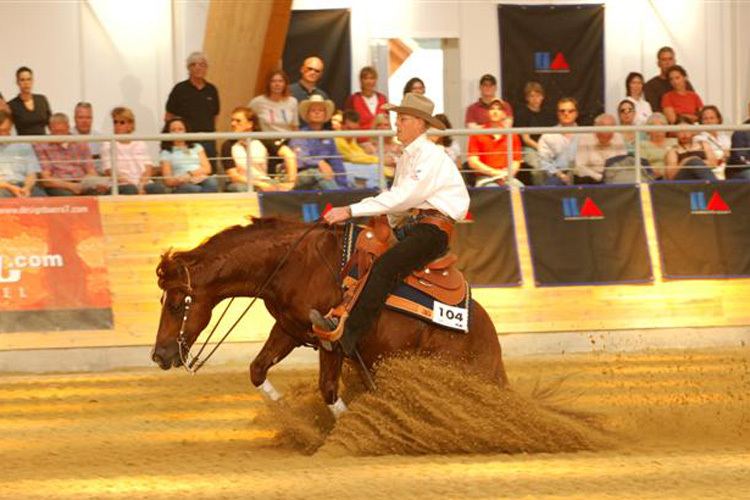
pixel 249 165
pixel 381 163
pixel 509 138
pixel 638 173
pixel 113 162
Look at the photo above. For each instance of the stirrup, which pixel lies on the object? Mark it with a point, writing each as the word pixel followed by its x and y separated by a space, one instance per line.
pixel 329 327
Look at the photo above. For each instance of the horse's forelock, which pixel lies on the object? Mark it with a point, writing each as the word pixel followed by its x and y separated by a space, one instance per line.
pixel 168 269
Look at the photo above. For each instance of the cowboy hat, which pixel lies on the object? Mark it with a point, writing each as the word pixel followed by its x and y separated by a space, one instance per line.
pixel 304 106
pixel 416 105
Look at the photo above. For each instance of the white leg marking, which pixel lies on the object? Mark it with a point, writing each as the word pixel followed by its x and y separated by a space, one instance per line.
pixel 338 408
pixel 269 390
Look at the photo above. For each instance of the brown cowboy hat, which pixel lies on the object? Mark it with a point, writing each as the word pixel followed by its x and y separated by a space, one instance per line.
pixel 416 105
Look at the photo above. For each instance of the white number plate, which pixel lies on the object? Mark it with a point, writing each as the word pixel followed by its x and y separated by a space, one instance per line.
pixel 452 317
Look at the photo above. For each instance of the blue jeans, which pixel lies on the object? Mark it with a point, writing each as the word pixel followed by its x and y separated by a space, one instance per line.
pixel 151 188
pixel 553 180
pixel 208 185
pixel 66 192
pixel 696 169
pixel 35 191
pixel 236 187
pixel 311 179
pixel 744 174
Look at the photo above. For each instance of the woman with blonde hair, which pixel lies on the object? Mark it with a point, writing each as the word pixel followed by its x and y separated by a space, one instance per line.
pixel 132 161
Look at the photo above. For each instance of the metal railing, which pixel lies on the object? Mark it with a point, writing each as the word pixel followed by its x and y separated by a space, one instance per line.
pixel 379 135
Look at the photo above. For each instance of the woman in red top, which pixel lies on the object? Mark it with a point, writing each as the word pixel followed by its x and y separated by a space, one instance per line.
pixel 369 102
pixel 680 101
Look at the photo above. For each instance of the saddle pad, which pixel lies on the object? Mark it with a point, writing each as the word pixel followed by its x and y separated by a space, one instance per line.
pixel 418 304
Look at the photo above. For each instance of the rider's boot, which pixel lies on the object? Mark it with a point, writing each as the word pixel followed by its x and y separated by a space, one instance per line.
pixel 331 326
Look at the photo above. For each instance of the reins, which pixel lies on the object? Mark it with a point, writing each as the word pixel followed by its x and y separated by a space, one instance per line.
pixel 193 363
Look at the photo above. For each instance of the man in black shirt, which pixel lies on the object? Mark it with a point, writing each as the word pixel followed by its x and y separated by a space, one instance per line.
pixel 307 86
pixel 659 85
pixel 197 101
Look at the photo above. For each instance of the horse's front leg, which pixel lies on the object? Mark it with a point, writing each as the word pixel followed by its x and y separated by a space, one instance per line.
pixel 328 382
pixel 276 348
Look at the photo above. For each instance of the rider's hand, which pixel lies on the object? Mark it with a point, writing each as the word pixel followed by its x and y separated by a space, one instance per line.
pixel 338 214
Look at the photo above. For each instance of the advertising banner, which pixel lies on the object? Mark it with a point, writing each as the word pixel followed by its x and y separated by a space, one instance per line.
pixel 53 274
pixel 559 46
pixel 703 228
pixel 587 235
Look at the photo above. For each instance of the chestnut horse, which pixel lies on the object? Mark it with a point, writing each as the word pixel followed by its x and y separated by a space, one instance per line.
pixel 238 260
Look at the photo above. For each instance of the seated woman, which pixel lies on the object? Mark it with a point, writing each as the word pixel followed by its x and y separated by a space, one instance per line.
pixel 654 148
pixel 392 148
pixel 689 159
pixel 134 167
pixel 184 164
pixel 451 147
pixel 680 102
pixel 276 108
pixel 234 158
pixel 720 142
pixel 626 116
pixel 635 94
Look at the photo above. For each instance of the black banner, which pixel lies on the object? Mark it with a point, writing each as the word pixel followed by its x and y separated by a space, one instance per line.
pixel 486 242
pixel 308 205
pixel 586 235
pixel 703 228
pixel 559 46
pixel 325 34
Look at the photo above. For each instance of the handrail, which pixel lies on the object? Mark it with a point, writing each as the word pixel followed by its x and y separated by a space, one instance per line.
pixel 323 134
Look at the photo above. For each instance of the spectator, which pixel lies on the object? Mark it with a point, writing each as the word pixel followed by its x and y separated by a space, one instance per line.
pixel 451 147
pixel 489 155
pixel 533 114
pixel 392 149
pixel 67 167
pixel 311 71
pixel 184 164
pixel 557 152
pixel 337 120
pixel 196 101
pixel 626 114
pixel 594 150
pixel 689 159
pixel 319 164
pixel 654 148
pixel 4 105
pixel 31 112
pixel 276 109
pixel 368 103
pixel 360 167
pixel 680 101
pixel 19 166
pixel 659 85
pixel 739 161
pixel 83 116
pixel 634 93
pixel 234 158
pixel 415 85
pixel 477 113
pixel 134 166
pixel 720 142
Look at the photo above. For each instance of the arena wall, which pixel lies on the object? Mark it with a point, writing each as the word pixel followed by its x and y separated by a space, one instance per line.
pixel 138 230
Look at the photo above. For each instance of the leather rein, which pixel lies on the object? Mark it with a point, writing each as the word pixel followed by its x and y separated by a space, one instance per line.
pixel 193 363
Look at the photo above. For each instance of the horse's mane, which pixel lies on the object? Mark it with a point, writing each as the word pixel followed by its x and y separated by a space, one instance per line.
pixel 260 235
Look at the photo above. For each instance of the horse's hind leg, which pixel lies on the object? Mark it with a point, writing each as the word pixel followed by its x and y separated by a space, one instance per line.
pixel 328 381
pixel 276 348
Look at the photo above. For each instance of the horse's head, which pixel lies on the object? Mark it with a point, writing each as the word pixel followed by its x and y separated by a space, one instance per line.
pixel 185 311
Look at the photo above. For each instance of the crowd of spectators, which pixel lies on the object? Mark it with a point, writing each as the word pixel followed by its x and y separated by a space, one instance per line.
pixel 561 158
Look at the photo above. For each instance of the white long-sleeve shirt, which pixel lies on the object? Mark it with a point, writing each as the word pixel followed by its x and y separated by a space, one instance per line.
pixel 426 178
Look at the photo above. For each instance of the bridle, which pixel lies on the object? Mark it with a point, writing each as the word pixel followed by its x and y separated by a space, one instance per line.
pixel 193 363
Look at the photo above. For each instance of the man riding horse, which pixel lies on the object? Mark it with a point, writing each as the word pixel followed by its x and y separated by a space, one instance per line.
pixel 427 197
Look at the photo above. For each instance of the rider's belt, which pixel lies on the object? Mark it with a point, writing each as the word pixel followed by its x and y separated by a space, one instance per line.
pixel 434 217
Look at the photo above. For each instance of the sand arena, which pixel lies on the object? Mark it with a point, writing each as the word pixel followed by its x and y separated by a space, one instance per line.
pixel 662 424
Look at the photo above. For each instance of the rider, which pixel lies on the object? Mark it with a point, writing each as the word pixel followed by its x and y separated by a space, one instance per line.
pixel 428 195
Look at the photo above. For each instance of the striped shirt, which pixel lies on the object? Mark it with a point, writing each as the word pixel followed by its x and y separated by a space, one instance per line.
pixel 70 160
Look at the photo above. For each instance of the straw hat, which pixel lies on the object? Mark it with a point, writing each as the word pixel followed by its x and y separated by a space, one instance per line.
pixel 416 105
pixel 304 106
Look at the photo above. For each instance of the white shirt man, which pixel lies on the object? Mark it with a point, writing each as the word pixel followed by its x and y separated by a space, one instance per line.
pixel 594 150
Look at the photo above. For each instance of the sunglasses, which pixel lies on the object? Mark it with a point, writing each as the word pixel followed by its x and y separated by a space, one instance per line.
pixel 626 111
pixel 121 122
pixel 566 111
pixel 315 70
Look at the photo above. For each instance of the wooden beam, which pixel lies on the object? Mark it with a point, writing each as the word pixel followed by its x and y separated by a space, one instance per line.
pixel 242 42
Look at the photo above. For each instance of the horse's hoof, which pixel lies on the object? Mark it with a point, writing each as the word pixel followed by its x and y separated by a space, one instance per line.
pixel 338 408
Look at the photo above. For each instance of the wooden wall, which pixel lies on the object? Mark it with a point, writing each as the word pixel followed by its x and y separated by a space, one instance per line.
pixel 138 229
pixel 243 41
